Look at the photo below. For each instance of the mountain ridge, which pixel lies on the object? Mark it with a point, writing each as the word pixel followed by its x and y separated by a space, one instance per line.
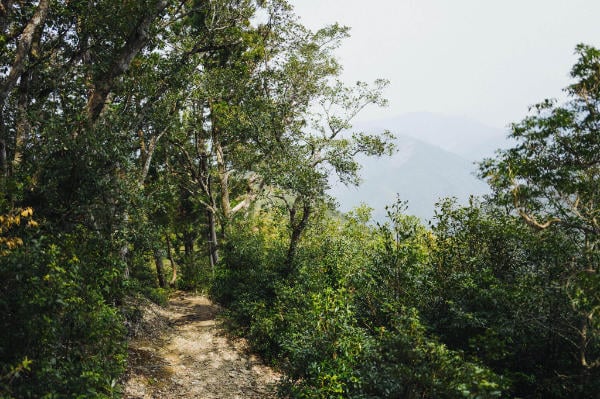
pixel 436 158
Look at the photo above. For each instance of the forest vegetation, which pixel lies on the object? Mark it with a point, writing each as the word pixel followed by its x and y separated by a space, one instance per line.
pixel 152 144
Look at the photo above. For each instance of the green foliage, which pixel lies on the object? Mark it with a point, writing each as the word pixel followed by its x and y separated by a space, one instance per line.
pixel 550 179
pixel 406 362
pixel 480 306
pixel 346 324
pixel 496 292
pixel 323 345
pixel 57 316
pixel 248 284
pixel 195 273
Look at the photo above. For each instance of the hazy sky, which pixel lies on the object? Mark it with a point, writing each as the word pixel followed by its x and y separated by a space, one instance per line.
pixel 487 60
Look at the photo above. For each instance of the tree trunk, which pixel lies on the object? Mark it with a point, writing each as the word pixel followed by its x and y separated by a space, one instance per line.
pixel 23 126
pixel 147 152
pixel 124 250
pixel 173 265
pixel 223 176
pixel 206 183
pixel 188 243
pixel 137 39
pixel 123 254
pixel 160 268
pixel 3 161
pixel 298 225
pixel 212 240
pixel 23 46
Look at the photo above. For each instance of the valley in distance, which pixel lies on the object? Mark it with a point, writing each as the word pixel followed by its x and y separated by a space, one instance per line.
pixel 436 157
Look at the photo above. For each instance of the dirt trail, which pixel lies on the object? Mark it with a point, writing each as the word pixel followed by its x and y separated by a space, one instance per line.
pixel 189 356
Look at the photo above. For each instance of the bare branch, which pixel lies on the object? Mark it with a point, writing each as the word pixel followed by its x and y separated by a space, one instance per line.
pixel 529 219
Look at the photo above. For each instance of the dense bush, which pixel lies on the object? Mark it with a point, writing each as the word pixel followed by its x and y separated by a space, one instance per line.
pixel 345 325
pixel 497 291
pixel 476 306
pixel 57 313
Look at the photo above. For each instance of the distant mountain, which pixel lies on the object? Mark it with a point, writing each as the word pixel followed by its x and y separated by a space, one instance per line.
pixel 470 139
pixel 435 159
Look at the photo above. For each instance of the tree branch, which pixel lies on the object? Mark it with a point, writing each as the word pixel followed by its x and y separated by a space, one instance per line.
pixel 135 42
pixel 23 48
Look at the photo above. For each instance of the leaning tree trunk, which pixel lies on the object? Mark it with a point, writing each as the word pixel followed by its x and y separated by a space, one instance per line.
pixel 26 38
pixel 298 224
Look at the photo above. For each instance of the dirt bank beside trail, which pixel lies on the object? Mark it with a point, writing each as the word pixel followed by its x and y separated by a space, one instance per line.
pixel 183 352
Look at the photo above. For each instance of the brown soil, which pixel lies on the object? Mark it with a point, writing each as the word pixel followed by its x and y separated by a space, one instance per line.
pixel 181 351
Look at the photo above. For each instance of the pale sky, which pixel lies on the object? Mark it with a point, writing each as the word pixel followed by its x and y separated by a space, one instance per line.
pixel 483 59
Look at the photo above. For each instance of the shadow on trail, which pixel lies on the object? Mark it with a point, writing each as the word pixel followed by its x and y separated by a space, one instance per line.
pixel 195 313
pixel 149 364
pixel 192 311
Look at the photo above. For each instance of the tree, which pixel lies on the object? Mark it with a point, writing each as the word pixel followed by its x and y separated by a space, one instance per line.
pixel 326 148
pixel 551 178
pixel 66 152
pixel 494 289
pixel 251 127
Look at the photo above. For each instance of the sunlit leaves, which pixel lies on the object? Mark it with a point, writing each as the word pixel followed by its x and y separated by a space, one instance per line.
pixel 9 222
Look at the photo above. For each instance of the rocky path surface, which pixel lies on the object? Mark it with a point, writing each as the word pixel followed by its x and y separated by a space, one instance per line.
pixel 188 355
